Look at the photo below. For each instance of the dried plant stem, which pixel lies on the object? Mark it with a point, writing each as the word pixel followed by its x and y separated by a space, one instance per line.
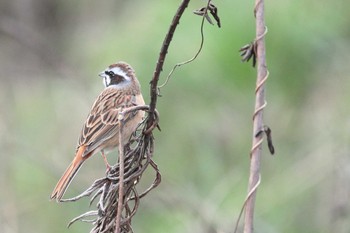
pixel 162 55
pixel 260 103
pixel 121 175
pixel 152 106
pixel 196 54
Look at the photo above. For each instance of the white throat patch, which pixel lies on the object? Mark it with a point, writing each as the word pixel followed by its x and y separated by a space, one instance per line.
pixel 106 80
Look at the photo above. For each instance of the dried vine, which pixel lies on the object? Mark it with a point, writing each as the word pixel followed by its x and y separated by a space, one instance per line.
pixel 162 55
pixel 118 196
pixel 204 13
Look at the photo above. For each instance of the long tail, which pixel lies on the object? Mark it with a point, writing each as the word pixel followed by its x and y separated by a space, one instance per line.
pixel 69 174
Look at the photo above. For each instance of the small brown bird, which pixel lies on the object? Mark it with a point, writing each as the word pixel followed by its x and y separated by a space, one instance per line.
pixel 100 132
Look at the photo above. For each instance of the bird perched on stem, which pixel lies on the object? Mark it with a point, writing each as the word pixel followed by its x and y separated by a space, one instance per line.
pixel 100 132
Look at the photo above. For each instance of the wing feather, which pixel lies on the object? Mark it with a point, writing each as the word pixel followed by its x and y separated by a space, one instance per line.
pixel 102 122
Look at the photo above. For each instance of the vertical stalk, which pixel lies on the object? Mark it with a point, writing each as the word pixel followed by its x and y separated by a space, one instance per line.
pixel 121 176
pixel 260 103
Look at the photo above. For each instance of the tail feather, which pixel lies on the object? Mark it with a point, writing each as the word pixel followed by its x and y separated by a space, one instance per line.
pixel 68 175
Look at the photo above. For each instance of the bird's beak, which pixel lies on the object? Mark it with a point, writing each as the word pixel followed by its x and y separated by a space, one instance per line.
pixel 102 74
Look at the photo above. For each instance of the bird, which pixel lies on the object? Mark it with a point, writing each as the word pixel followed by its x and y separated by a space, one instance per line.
pixel 100 132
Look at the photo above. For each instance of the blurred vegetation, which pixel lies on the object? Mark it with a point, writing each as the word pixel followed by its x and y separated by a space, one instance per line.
pixel 52 51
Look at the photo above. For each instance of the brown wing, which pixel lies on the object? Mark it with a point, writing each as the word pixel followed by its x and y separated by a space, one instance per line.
pixel 102 122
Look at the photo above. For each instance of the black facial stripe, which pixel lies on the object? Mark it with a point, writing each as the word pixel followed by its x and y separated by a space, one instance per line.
pixel 116 79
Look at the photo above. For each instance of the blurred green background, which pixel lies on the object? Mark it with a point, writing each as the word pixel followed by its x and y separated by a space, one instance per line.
pixel 52 51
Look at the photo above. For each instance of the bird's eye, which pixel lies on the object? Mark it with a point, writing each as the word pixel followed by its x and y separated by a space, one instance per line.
pixel 109 73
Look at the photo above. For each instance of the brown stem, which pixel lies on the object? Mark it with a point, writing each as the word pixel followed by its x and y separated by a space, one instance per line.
pixel 121 176
pixel 161 59
pixel 152 106
pixel 260 103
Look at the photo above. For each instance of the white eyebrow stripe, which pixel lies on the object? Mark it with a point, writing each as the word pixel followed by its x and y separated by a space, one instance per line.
pixel 119 72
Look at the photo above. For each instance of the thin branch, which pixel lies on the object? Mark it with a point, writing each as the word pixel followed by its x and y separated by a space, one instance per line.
pixel 204 16
pixel 258 125
pixel 121 174
pixel 161 58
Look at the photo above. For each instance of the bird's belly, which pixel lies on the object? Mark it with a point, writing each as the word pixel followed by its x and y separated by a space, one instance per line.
pixel 129 128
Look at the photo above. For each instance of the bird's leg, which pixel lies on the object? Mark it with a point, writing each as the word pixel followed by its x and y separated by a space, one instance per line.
pixel 108 167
